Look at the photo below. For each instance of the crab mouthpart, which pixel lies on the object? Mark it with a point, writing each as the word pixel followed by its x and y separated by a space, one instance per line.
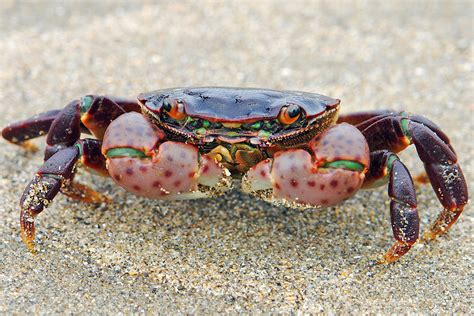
pixel 231 125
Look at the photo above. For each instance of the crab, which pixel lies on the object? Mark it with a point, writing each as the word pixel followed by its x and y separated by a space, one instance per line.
pixel 289 148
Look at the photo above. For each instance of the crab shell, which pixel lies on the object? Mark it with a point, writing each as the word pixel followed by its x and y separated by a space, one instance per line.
pixel 220 104
pixel 230 108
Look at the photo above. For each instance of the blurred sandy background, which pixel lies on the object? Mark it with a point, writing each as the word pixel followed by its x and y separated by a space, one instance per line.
pixel 234 254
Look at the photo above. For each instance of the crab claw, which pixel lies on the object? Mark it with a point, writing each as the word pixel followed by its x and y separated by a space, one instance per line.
pixel 332 171
pixel 142 162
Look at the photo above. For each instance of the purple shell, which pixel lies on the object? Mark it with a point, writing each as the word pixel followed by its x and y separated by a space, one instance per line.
pixel 237 104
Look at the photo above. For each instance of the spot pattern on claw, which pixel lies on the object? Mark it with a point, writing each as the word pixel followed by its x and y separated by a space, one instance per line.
pixel 131 130
pixel 211 173
pixel 161 178
pixel 296 179
pixel 157 176
pixel 258 178
pixel 342 142
pixel 301 187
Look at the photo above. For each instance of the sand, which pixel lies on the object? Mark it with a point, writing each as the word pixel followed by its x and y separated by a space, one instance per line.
pixel 234 254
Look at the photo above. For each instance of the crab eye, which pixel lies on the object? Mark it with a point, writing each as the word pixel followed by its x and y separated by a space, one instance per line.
pixel 166 105
pixel 175 109
pixel 289 114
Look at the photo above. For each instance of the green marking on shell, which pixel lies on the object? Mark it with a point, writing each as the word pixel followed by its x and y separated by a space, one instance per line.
pixel 125 152
pixel 265 134
pixel 86 103
pixel 53 176
pixel 201 131
pixel 390 161
pixel 206 124
pixel 404 123
pixel 80 149
pixel 189 120
pixel 345 164
pixel 256 125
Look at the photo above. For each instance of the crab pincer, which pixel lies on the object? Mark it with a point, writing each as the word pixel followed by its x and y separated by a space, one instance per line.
pixel 329 171
pixel 140 160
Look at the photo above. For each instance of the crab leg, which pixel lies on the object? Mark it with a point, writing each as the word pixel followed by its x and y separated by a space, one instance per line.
pixel 397 131
pixel 359 117
pixel 385 165
pixel 65 130
pixel 91 114
pixel 97 112
pixel 332 171
pixel 94 113
pixel 20 132
pixel 140 160
pixel 56 175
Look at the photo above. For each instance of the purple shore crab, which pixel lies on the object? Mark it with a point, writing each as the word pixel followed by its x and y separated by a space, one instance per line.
pixel 287 147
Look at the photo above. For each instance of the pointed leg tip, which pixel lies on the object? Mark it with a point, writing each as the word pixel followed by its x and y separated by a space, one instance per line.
pixel 29 146
pixel 83 193
pixel 443 223
pixel 28 237
pixel 27 230
pixel 395 252
pixel 387 258
pixel 100 198
pixel 430 235
pixel 29 242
